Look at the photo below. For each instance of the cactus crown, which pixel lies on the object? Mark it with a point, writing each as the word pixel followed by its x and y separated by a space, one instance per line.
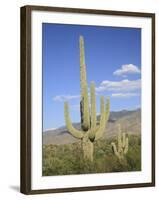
pixel 88 114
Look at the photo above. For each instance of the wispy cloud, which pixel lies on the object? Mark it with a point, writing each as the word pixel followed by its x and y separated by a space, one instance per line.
pixel 124 85
pixel 125 95
pixel 127 69
pixel 65 97
pixel 121 88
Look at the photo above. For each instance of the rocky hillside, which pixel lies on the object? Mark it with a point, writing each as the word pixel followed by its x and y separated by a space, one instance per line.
pixel 130 123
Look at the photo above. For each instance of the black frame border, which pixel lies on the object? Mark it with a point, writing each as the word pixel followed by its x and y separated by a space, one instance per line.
pixel 25 95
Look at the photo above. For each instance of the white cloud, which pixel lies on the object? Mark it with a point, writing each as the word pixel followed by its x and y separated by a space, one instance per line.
pixel 125 95
pixel 65 97
pixel 127 69
pixel 50 129
pixel 124 85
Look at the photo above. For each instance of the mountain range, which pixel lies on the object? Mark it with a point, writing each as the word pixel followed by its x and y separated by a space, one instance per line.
pixel 130 122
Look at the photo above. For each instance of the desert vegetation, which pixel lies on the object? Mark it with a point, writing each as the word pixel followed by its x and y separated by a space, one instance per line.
pixel 68 158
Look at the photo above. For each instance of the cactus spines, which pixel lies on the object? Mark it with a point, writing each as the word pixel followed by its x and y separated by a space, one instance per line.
pixel 123 143
pixel 90 130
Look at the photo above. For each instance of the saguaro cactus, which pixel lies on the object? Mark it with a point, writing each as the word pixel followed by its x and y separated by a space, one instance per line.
pixel 123 144
pixel 90 131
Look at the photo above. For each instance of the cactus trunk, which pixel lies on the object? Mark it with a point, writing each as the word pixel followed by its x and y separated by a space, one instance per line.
pixel 87 148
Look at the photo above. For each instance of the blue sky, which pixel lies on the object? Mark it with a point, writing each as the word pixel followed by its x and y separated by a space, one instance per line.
pixel 113 62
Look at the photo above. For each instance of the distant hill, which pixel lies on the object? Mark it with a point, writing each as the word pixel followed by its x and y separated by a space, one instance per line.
pixel 130 123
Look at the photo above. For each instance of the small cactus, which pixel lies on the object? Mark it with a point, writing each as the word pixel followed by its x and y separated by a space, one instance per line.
pixel 123 144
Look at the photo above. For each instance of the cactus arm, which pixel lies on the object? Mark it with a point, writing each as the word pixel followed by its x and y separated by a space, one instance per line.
pixel 93 106
pixel 74 132
pixel 84 88
pixel 115 150
pixel 123 140
pixel 107 109
pixel 126 145
pixel 119 139
pixel 99 133
pixel 93 129
pixel 104 118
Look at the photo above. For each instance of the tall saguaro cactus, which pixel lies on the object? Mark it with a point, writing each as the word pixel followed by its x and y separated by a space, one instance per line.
pixel 123 143
pixel 90 131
